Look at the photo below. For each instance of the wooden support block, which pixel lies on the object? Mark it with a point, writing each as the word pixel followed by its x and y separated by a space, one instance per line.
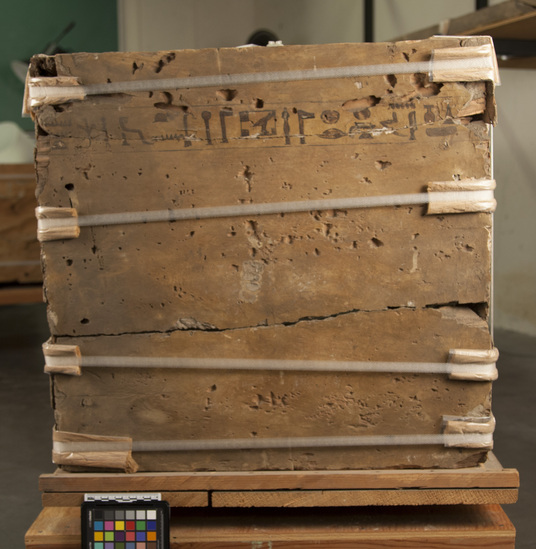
pixel 253 144
pixel 174 404
pixel 488 483
pixel 463 527
pixel 361 498
pixel 55 527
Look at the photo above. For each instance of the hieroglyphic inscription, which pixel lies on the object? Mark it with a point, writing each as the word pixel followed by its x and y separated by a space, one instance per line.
pixel 197 127
pixel 301 126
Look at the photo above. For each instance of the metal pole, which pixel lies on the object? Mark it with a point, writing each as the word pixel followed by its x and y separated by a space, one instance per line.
pixel 369 20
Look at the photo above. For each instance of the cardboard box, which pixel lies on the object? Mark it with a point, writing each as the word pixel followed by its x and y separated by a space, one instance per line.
pixel 254 214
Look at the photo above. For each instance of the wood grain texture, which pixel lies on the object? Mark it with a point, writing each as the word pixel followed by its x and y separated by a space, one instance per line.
pixel 269 142
pixel 388 283
pixel 19 249
pixel 489 475
pixel 175 499
pixel 474 527
pixel 181 404
pixel 361 498
pixel 315 498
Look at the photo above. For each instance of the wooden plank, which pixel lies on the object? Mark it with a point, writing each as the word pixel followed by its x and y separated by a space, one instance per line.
pixel 19 248
pixel 55 527
pixel 433 528
pixel 184 403
pixel 345 498
pixel 314 498
pixel 346 284
pixel 490 475
pixel 467 527
pixel 175 499
pixel 12 295
pixel 483 21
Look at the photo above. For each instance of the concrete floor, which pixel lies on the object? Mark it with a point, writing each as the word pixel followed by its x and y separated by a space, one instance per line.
pixel 26 429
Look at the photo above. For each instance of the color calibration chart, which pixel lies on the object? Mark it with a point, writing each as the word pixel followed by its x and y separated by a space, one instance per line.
pixel 125 526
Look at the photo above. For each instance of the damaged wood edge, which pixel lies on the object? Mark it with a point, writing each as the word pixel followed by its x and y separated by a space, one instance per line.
pixel 490 74
pixel 458 64
pixel 95 451
pixel 488 474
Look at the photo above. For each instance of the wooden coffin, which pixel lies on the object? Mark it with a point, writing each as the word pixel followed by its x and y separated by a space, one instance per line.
pixel 288 224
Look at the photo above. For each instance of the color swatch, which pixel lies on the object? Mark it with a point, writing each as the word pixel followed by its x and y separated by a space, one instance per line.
pixel 125 526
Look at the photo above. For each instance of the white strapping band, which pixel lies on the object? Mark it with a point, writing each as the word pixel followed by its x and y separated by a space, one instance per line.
pixel 57 227
pixel 476 365
pixel 461 64
pixel 451 440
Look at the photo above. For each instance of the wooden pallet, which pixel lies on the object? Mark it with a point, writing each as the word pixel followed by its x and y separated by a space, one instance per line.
pixel 486 484
pixel 299 509
pixel 432 527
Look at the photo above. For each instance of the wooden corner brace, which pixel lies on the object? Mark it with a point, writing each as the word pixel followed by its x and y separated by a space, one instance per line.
pixel 467 432
pixel 464 196
pixel 483 361
pixel 77 449
pixel 56 223
pixel 62 359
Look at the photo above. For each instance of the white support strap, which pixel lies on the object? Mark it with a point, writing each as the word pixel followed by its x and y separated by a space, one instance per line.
pixel 67 359
pixel 466 64
pixel 476 196
pixel 478 434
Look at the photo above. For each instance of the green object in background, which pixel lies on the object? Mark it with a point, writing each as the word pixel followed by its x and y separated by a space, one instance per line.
pixel 27 27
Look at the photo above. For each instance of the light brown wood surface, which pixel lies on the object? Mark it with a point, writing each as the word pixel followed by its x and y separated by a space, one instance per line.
pixel 346 137
pixel 467 527
pixel 364 498
pixel 19 249
pixel 182 404
pixel 409 487
pixel 382 284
